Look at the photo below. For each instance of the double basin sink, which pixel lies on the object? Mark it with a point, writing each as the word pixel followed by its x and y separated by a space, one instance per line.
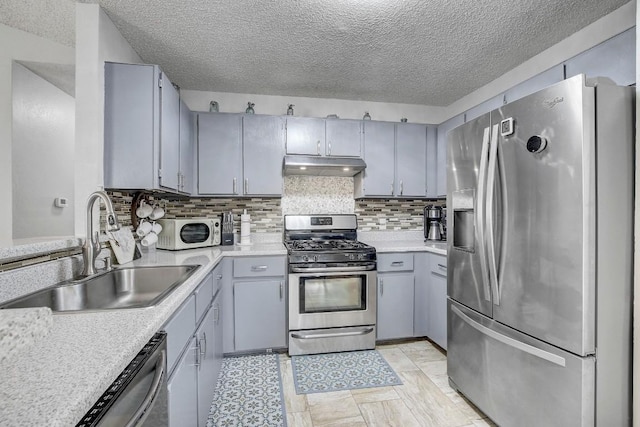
pixel 129 287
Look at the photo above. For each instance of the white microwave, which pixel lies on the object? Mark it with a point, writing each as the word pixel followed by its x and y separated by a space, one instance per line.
pixel 189 233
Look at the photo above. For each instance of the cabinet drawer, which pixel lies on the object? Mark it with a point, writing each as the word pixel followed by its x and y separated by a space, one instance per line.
pixel 258 266
pixel 179 329
pixel 438 264
pixel 395 262
pixel 204 296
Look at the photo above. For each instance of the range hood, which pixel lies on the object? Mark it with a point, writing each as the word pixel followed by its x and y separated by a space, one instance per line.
pixel 323 166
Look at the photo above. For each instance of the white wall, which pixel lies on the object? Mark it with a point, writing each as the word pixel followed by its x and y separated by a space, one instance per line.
pixel 42 156
pixel 312 107
pixel 18 45
pixel 603 29
pixel 97 41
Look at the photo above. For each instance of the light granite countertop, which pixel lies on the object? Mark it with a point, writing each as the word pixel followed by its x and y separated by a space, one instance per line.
pixel 401 241
pixel 57 380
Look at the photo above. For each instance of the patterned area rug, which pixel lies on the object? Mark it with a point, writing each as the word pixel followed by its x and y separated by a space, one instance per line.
pixel 249 393
pixel 318 373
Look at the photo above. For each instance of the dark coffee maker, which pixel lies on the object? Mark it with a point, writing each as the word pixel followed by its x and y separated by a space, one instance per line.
pixel 433 223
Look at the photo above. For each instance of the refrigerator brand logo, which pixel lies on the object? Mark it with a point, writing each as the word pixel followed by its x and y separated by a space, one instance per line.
pixel 550 103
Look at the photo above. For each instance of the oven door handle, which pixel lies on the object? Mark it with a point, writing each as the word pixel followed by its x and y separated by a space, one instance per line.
pixel 331 269
pixel 331 335
pixel 142 413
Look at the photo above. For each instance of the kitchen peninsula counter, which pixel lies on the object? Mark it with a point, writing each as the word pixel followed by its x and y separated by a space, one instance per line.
pixel 55 381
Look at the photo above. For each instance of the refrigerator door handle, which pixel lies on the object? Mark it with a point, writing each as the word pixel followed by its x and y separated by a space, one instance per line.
pixel 491 180
pixel 534 351
pixel 480 207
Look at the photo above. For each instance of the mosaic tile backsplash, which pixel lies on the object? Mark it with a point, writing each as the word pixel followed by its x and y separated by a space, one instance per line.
pixel 302 195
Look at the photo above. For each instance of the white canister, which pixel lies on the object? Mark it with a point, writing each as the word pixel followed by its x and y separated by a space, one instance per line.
pixel 245 228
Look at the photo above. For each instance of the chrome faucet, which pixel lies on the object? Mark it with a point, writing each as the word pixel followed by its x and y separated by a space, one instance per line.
pixel 91 246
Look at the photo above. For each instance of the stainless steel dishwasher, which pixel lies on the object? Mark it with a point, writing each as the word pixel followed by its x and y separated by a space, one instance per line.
pixel 138 397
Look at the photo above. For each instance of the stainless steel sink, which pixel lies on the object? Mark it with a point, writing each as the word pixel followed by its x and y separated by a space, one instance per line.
pixel 130 287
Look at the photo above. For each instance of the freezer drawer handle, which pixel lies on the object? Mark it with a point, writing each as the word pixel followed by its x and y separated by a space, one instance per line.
pixel 333 335
pixel 510 341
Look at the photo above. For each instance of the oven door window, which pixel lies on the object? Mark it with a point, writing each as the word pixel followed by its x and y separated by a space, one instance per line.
pixel 195 233
pixel 333 293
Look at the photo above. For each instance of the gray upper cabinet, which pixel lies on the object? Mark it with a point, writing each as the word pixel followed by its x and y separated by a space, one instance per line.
pixel 443 128
pixel 534 84
pixel 432 162
pixel 219 154
pixel 614 58
pixel 485 107
pixel 411 160
pixel 379 152
pixel 305 135
pixel 188 170
pixel 141 129
pixel 343 138
pixel 169 136
pixel 263 151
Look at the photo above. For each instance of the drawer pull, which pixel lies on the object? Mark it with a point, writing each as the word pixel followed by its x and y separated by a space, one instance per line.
pixel 442 267
pixel 259 268
pixel 397 263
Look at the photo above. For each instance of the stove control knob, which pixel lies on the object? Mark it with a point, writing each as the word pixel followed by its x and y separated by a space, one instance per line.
pixel 305 258
pixel 361 256
pixel 352 256
pixel 315 258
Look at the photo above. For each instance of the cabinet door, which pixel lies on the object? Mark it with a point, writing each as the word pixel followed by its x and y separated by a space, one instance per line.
pixel 217 340
pixel 183 390
pixel 187 149
pixel 441 168
pixel 438 310
pixel 421 310
pixel 379 151
pixel 395 306
pixel 169 135
pixel 411 159
pixel 207 378
pixel 259 314
pixel 263 151
pixel 219 154
pixel 305 135
pixel 343 137
pixel 614 58
pixel 130 125
pixel 432 161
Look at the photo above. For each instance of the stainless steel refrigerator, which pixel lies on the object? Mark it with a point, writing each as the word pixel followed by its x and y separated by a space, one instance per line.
pixel 540 210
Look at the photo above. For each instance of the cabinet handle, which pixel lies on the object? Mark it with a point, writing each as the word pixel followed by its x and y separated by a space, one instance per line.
pixel 259 268
pixel 281 290
pixel 397 263
pixel 381 287
pixel 197 349
pixel 246 186
pixel 329 147
pixel 318 149
pixel 392 188
pixel 216 314
pixel 442 267
pixel 203 352
pixel 218 276
pixel 235 186
pixel 401 188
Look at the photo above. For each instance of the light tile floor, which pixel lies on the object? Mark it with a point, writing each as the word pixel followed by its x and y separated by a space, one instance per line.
pixel 424 399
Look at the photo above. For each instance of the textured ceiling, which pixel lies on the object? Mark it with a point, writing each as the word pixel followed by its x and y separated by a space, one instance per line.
pixel 408 51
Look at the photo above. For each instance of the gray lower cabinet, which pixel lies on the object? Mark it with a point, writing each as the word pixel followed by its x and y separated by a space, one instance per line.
pixel 438 300
pixel 421 310
pixel 194 353
pixel 181 390
pixel 259 315
pixel 141 122
pixel 254 303
pixel 395 296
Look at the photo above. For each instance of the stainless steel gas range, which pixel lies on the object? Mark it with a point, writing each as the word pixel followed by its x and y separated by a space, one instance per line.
pixel 332 285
